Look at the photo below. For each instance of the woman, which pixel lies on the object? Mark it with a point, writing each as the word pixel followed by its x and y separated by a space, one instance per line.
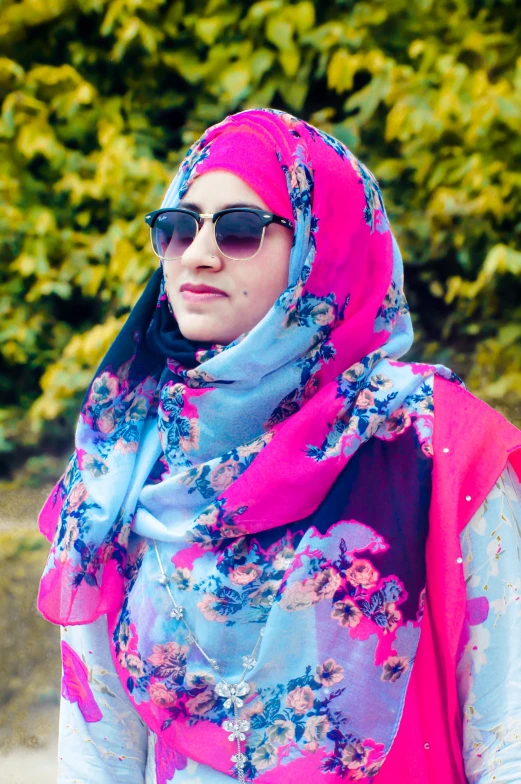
pixel 280 554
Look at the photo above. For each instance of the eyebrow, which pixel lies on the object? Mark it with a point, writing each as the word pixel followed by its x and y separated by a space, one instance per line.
pixel 190 205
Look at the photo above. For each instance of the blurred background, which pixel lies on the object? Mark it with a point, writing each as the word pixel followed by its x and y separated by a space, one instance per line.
pixel 99 101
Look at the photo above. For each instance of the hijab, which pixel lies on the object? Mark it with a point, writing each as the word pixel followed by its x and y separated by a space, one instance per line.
pixel 178 439
pixel 199 448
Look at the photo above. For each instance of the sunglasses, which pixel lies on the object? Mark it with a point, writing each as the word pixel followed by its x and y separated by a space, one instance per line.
pixel 239 231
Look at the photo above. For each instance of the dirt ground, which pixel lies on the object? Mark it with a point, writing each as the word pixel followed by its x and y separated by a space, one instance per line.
pixel 36 763
pixel 29 766
pixel 29 652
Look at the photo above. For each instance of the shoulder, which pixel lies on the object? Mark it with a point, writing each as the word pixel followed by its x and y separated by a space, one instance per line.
pixel 457 409
pixel 472 444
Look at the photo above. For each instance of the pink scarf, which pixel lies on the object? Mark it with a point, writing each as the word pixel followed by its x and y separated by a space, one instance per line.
pixel 312 383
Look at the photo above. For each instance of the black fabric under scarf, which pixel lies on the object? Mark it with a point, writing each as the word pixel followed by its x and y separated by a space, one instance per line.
pixel 164 338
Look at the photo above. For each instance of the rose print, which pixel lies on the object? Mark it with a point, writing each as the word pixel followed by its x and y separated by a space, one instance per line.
pixel 210 605
pixel 161 695
pixel 298 597
pixel 77 496
pixel 362 572
pixel 209 517
pixel 300 699
pixel 365 399
pixel 190 441
pixel 223 475
pixel 264 596
pixel 126 447
pixel 247 573
pixel 255 446
pixel 106 421
pixel 323 314
pixel 255 709
pixel 311 387
pixel 326 583
pixel 169 661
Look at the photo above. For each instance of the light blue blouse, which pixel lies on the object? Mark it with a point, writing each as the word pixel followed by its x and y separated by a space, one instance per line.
pixel 489 671
pixel 119 748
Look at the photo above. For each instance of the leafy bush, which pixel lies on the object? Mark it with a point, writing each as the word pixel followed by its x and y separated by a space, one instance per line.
pixel 101 97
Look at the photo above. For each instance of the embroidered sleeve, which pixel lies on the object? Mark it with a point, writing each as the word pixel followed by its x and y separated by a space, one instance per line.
pixel 101 737
pixel 489 670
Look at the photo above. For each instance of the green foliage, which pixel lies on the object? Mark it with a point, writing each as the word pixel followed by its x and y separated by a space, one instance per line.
pixel 101 97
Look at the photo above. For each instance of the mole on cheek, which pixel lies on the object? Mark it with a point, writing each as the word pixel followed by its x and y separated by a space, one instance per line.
pixel 245 293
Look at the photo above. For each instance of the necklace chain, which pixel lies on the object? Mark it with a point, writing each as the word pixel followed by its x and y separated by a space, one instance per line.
pixel 231 693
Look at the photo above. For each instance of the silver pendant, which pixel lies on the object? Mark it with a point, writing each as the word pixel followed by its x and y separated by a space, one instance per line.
pixel 236 728
pixel 232 694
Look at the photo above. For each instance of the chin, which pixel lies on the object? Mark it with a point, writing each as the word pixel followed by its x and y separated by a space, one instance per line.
pixel 204 334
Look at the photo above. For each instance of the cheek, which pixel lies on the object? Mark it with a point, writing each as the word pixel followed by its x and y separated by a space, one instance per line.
pixel 269 277
pixel 170 271
pixel 259 287
pixel 256 296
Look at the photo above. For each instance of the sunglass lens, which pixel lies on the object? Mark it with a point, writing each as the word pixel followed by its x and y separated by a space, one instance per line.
pixel 239 234
pixel 172 233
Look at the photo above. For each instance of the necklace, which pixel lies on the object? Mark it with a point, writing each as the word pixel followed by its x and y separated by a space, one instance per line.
pixel 231 693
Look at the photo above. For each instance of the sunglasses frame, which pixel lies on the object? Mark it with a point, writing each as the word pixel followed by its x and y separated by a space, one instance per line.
pixel 200 217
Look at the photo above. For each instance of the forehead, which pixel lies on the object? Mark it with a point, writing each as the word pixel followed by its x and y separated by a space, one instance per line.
pixel 214 190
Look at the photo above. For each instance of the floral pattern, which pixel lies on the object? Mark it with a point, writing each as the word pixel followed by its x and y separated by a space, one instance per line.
pixel 136 406
pixel 489 669
pixel 303 712
pixel 373 411
pixel 374 209
pixel 201 455
pixel 212 478
pixel 177 424
pixel 334 576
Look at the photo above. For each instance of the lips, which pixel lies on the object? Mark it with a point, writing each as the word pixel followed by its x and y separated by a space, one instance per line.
pixel 201 293
pixel 201 288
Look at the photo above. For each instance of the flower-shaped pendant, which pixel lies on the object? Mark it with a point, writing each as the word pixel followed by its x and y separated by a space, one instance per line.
pixel 236 728
pixel 232 694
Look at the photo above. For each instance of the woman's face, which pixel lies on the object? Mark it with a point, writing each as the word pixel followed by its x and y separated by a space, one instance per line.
pixel 249 288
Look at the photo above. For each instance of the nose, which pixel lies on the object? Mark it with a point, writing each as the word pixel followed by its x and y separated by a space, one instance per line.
pixel 203 251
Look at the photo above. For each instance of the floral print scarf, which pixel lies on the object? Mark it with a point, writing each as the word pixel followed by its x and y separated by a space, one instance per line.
pixel 201 448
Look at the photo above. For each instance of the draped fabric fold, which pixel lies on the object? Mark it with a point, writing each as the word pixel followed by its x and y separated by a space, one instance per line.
pixel 170 433
pixel 284 477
